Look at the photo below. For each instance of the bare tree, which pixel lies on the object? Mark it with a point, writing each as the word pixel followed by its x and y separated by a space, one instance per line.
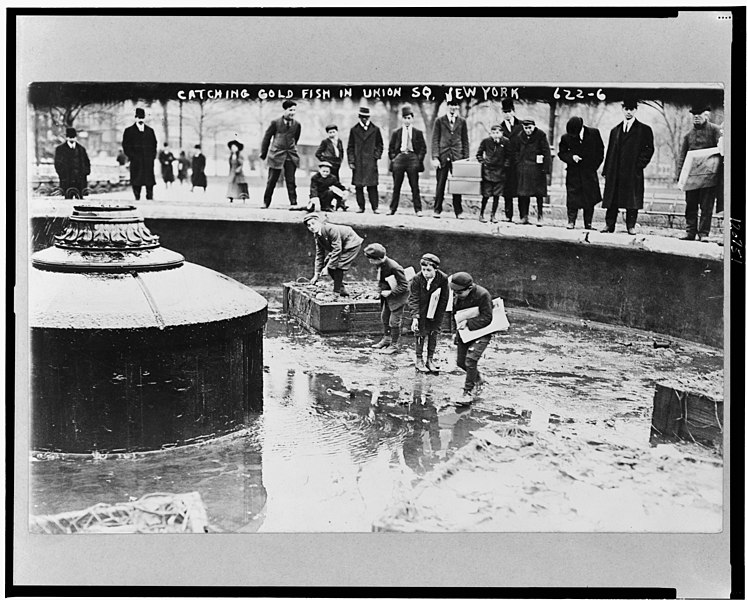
pixel 164 107
pixel 677 123
pixel 429 113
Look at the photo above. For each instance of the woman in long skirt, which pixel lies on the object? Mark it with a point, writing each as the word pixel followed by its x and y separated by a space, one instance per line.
pixel 237 186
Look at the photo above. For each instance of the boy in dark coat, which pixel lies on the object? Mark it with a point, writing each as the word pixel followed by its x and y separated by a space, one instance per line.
pixel 336 248
pixel 467 294
pixel 330 150
pixel 429 294
pixel 72 165
pixel 582 149
pixel 393 293
pixel 630 149
pixel 320 189
pixel 494 159
pixel 530 157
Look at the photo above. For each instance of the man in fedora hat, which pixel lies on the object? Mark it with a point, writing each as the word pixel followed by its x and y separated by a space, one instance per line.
pixel 704 134
pixel 72 165
pixel 365 147
pixel 406 154
pixel 139 144
pixel 629 150
pixel 450 142
pixel 279 148
pixel 511 127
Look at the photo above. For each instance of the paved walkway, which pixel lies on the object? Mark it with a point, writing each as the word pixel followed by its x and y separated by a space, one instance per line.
pixel 177 202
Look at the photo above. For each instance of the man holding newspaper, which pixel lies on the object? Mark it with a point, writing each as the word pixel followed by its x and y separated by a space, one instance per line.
pixel 474 316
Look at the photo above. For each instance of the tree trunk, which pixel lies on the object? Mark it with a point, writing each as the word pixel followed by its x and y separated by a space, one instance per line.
pixel 551 137
pixel 181 118
pixel 202 119
pixel 165 108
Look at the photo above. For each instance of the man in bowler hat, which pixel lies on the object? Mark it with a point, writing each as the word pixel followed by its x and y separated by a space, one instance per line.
pixel 406 154
pixel 450 142
pixel 279 148
pixel 139 144
pixel 365 147
pixel 72 165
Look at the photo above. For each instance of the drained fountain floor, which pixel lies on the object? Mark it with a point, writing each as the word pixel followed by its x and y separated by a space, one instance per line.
pixel 346 431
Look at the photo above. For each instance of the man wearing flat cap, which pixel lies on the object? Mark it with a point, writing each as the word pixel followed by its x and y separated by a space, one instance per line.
pixel 704 134
pixel 330 150
pixel 406 154
pixel 336 247
pixel 279 148
pixel 630 148
pixel 467 294
pixel 139 144
pixel 450 142
pixel 72 165
pixel 365 147
pixel 529 157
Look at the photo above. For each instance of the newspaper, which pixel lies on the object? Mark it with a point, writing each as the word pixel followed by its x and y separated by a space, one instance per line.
pixel 700 169
pixel 499 322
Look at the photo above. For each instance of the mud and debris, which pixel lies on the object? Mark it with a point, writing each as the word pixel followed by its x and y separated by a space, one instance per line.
pixel 353 440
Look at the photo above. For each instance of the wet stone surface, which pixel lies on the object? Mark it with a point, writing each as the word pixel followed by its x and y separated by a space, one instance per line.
pixel 347 431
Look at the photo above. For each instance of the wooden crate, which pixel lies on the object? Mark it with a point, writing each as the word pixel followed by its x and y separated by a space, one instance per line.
pixel 352 316
pixel 687 416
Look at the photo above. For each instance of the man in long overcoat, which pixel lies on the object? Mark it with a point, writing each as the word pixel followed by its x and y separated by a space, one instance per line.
pixel 72 165
pixel 630 148
pixel 510 128
pixel 582 149
pixel 406 153
pixel 529 154
pixel 365 147
pixel 139 144
pixel 282 154
pixel 450 142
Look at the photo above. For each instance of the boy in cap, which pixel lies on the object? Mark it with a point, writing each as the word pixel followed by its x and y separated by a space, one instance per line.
pixel 703 135
pixel 530 155
pixel 406 154
pixel 140 146
pixel 429 294
pixel 72 165
pixel 468 294
pixel 393 292
pixel 321 189
pixel 365 147
pixel 336 248
pixel 493 156
pixel 282 154
pixel 330 150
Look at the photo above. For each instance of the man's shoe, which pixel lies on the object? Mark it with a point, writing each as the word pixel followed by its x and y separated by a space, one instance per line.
pixel 375 211
pixel 459 216
pixel 570 226
pixel 383 342
pixel 607 230
pixel 508 220
pixel 690 237
pixel 436 215
pixel 420 365
pixel 589 228
pixel 631 231
pixel 390 213
pixel 360 210
pixel 343 292
pixel 524 221
pixel 264 206
pixel 418 213
pixel 539 222
pixel 482 219
pixel 431 366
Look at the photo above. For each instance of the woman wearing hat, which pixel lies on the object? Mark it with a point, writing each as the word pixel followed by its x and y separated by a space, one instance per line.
pixel 237 187
pixel 429 294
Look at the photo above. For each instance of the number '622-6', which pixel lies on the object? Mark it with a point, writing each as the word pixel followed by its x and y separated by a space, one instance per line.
pixel 577 94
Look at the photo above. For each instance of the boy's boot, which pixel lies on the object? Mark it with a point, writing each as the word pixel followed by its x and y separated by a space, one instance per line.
pixel 339 286
pixel 430 365
pixel 482 209
pixel 492 211
pixel 385 341
pixel 394 346
pixel 419 364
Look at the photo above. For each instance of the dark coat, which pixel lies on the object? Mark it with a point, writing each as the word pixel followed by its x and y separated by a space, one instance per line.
pixel 198 171
pixel 183 168
pixel 320 185
pixel 141 149
pixel 284 138
pixel 401 291
pixel 479 297
pixel 418 146
pixel 581 179
pixel 331 244
pixel 627 156
pixel 326 151
pixel 530 175
pixel 72 166
pixel 697 138
pixel 494 159
pixel 166 158
pixel 365 147
pixel 420 298
pixel 449 143
pixel 509 188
